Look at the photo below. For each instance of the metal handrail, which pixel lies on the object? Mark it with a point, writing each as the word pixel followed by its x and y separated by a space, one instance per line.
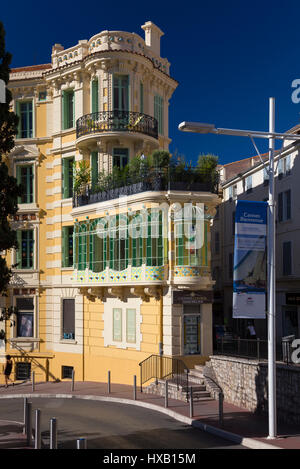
pixel 117 121
pixel 162 367
pixel 150 182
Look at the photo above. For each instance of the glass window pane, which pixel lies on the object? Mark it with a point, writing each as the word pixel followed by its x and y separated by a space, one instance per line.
pixel 117 324
pixel 131 325
pixel 25 308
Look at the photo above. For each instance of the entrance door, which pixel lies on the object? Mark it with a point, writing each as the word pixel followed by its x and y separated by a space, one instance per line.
pixel 192 329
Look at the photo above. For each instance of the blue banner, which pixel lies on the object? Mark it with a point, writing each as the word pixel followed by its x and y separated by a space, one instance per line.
pixel 250 260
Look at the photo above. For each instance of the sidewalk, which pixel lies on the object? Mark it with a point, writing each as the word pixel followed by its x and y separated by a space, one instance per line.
pixel 240 425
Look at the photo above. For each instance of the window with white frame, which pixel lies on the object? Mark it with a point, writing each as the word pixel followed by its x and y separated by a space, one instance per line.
pixel 25 177
pixel 248 184
pixel 284 166
pixel 25 316
pixel 122 323
pixel 24 110
pixel 68 318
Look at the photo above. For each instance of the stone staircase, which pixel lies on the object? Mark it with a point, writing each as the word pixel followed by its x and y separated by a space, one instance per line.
pixel 196 380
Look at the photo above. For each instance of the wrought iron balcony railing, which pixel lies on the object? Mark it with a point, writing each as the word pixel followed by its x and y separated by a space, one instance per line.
pixel 116 121
pixel 152 182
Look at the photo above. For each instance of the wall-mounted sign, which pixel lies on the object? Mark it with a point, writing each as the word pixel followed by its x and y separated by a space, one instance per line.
pixel 192 297
pixel 249 271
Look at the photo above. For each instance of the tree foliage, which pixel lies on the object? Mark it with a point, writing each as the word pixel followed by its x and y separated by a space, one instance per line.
pixel 9 188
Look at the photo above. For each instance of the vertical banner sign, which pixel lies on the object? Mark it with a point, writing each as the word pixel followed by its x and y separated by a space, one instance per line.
pixel 250 260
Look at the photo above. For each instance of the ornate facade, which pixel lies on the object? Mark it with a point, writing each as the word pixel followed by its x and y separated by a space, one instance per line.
pixel 103 280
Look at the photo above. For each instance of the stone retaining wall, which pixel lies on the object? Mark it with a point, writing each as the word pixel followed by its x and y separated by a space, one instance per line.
pixel 245 384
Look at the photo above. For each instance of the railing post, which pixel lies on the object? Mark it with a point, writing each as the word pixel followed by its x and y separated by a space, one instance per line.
pixel 166 394
pixel 37 435
pixel 108 382
pixel 221 399
pixel 28 424
pixel 134 388
pixel 141 371
pixel 258 348
pixel 191 403
pixel 53 433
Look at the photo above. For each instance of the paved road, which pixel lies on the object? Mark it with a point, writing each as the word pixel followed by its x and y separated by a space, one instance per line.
pixel 110 425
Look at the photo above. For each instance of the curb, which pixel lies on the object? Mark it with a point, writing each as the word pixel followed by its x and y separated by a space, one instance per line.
pixel 250 443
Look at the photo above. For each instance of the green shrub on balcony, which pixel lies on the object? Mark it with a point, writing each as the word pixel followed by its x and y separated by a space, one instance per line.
pixel 82 176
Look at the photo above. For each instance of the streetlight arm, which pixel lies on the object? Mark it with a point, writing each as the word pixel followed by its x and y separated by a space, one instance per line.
pixel 204 128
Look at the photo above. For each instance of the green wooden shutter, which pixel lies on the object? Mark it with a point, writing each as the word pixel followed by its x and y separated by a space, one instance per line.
pixel 65 178
pixel 64 110
pixel 95 95
pixel 158 112
pixel 19 250
pixel 65 246
pixel 19 115
pixel 94 168
pixel 73 102
pixel 68 177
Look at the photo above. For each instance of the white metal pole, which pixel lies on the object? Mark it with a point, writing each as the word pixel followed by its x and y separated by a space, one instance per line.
pixel 271 282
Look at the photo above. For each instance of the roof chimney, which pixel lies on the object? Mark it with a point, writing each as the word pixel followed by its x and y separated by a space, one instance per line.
pixel 57 48
pixel 152 36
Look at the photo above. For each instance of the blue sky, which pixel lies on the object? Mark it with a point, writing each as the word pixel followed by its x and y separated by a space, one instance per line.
pixel 229 57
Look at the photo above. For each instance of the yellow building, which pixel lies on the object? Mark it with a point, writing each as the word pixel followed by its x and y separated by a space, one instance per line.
pixel 104 278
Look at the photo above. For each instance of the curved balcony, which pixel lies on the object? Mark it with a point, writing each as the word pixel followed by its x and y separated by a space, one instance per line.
pixel 116 121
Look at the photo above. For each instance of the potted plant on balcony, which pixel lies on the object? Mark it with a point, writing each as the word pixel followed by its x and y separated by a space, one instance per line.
pixel 82 177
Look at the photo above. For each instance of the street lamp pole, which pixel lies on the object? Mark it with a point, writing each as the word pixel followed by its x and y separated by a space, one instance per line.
pixel 271 281
pixel 271 135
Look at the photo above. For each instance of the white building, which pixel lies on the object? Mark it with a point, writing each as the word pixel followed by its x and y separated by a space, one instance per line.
pixel 247 179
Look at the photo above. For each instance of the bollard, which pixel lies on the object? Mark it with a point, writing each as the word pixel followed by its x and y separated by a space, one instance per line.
pixel 73 379
pixel 33 381
pixel 25 415
pixel 191 403
pixel 28 424
pixel 37 435
pixel 134 387
pixel 108 382
pixel 53 433
pixel 221 399
pixel 166 394
pixel 81 443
